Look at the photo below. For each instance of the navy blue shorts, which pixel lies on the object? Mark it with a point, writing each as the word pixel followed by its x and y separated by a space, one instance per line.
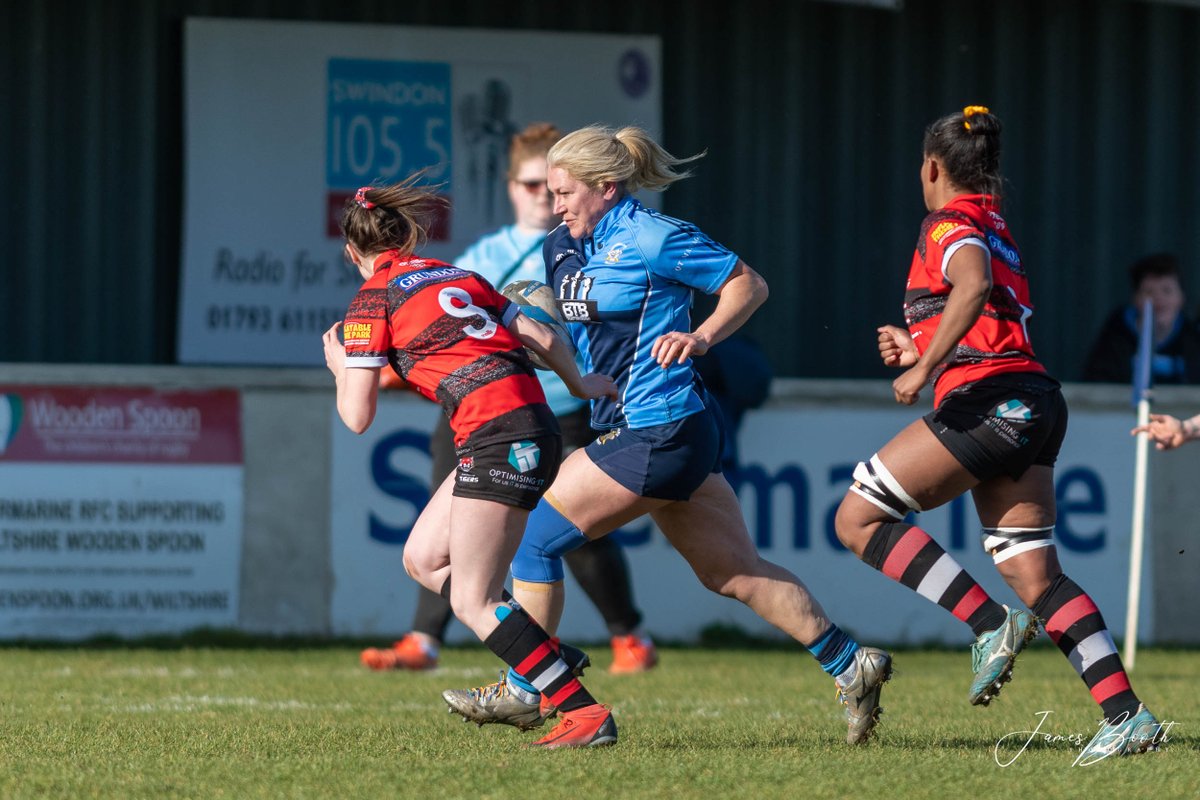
pixel 667 462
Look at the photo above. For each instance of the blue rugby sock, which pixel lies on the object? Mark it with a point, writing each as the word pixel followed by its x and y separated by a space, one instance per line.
pixel 834 650
pixel 516 680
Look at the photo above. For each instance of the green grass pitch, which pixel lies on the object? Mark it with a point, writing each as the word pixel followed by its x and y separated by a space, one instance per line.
pixel 256 722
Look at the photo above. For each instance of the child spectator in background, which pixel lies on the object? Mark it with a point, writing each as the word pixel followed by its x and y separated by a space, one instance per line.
pixel 1176 358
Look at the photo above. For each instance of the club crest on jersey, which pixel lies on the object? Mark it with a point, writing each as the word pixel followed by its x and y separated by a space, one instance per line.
pixel 1014 409
pixel 466 464
pixel 614 254
pixel 524 456
pixel 608 437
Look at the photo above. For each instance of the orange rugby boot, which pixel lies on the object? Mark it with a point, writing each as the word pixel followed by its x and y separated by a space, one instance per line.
pixel 407 653
pixel 590 726
pixel 632 653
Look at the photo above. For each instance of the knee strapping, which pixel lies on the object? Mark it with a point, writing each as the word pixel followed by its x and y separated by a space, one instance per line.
pixel 1004 543
pixel 875 484
pixel 548 536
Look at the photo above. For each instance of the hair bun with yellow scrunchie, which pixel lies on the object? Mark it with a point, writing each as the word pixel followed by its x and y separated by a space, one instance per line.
pixel 971 111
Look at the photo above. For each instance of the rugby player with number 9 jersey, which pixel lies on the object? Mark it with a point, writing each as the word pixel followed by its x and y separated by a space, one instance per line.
pixel 459 342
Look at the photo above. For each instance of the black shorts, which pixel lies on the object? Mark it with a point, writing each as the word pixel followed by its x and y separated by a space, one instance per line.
pixel 1002 425
pixel 513 473
pixel 576 432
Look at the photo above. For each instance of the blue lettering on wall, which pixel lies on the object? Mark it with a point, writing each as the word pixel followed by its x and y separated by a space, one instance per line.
pixel 397 484
pixel 1070 505
pixel 791 476
pixel 635 537
pixel 958 523
pixel 840 475
pixel 1079 493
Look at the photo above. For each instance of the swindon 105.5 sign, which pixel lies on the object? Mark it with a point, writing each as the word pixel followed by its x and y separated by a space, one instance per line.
pixel 279 138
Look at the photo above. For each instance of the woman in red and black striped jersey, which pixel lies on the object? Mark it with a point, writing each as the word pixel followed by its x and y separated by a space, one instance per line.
pixel 459 342
pixel 996 428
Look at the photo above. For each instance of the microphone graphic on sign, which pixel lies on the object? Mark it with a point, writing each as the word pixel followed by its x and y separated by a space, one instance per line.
pixel 485 123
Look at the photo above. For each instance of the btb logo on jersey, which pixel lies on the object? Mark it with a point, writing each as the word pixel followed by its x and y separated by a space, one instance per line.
pixel 524 456
pixel 576 310
pixel 573 302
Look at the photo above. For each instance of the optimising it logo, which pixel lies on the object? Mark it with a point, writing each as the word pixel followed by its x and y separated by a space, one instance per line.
pixel 524 456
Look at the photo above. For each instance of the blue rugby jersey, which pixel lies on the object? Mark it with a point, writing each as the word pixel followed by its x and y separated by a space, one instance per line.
pixel 621 289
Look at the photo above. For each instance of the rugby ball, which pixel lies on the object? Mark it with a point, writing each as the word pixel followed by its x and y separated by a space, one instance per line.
pixel 536 300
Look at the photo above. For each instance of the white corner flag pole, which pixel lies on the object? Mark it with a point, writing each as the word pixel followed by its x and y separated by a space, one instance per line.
pixel 1141 391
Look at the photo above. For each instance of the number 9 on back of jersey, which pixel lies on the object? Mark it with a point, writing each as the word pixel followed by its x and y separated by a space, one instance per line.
pixel 536 301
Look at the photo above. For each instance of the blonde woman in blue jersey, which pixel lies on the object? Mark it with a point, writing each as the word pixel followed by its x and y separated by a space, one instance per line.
pixel 624 275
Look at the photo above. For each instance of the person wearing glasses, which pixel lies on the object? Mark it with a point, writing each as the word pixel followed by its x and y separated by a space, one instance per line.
pixel 512 253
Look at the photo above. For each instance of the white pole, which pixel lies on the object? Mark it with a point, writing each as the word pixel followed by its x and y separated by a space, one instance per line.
pixel 1138 536
pixel 1142 378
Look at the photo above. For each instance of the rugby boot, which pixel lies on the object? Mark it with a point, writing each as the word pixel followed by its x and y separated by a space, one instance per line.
pixel 632 653
pixel 861 695
pixel 497 703
pixel 590 726
pixel 406 653
pixel 1127 735
pixel 505 704
pixel 994 652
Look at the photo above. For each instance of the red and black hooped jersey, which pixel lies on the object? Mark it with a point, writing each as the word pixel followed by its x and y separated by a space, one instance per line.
pixel 998 342
pixel 443 329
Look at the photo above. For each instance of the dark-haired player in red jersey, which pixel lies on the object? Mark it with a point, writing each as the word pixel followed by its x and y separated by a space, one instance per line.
pixel 459 342
pixel 996 428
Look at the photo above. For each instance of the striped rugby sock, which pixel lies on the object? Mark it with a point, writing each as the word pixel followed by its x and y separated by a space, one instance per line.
pixel 907 554
pixel 1076 626
pixel 525 646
